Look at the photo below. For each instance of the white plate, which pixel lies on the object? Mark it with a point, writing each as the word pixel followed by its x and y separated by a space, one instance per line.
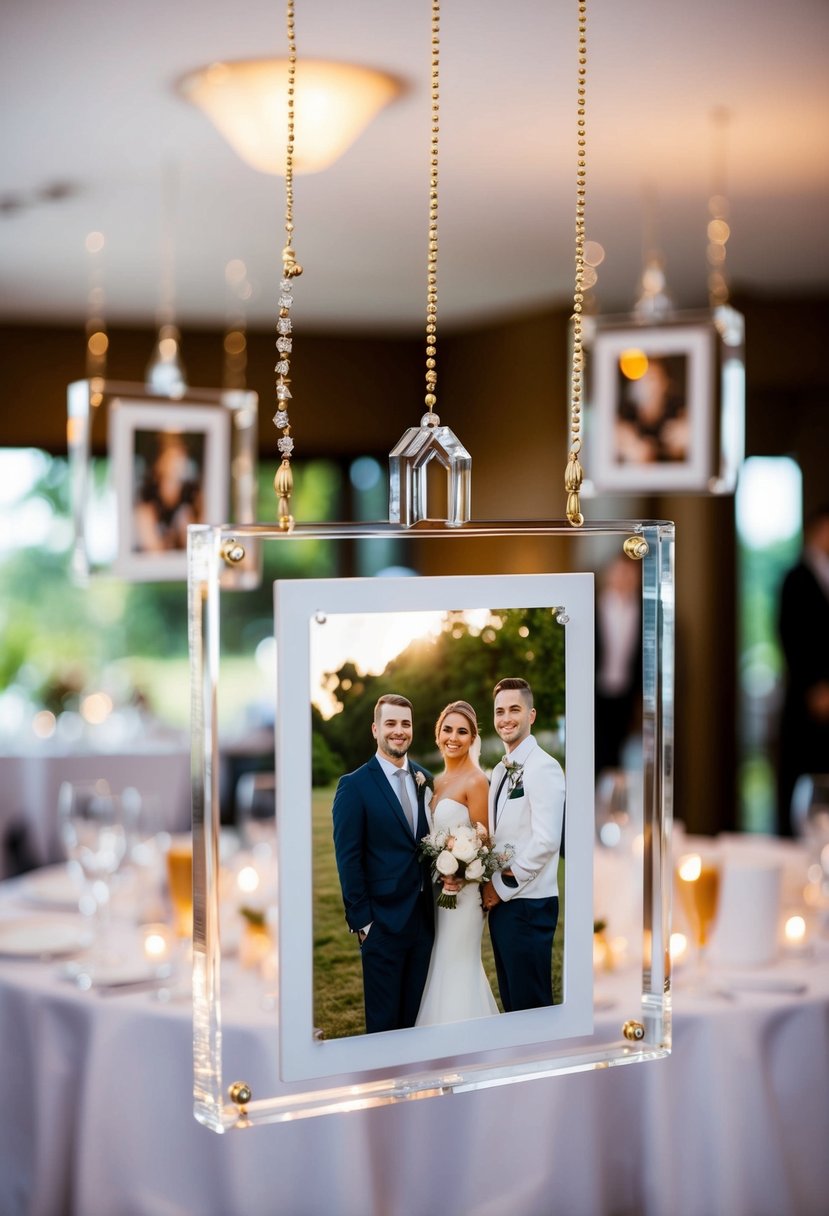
pixel 120 973
pixel 42 937
pixel 51 887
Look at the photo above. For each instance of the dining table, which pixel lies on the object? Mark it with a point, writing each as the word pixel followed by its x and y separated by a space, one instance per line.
pixel 97 1112
pixel 31 777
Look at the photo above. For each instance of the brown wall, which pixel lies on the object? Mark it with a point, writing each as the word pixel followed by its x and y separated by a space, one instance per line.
pixel 503 389
pixel 351 394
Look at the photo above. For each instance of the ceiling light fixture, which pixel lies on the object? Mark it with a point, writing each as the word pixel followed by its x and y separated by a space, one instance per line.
pixel 246 101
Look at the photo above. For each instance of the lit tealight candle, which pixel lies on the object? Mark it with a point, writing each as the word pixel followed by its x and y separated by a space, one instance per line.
pixel 690 867
pixel 678 947
pixel 247 879
pixel 156 943
pixel 795 931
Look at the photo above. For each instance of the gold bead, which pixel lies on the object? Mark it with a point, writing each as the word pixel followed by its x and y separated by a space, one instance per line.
pixel 283 482
pixel 430 399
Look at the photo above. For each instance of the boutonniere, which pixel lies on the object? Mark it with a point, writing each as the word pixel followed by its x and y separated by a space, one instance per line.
pixel 421 780
pixel 515 774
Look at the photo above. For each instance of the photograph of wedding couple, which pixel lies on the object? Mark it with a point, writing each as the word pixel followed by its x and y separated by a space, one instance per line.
pixel 652 393
pixel 440 769
pixel 425 855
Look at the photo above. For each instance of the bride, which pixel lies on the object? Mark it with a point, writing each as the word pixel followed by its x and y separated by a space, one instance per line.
pixel 456 986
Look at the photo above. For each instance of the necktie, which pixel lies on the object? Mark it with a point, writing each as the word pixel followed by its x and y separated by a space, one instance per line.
pixel 403 795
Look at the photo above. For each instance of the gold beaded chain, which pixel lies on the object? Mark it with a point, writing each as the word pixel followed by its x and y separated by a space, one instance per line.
pixel 431 418
pixel 574 473
pixel 283 482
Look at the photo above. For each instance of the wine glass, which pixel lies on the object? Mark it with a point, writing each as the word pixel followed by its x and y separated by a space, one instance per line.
pixel 698 879
pixel 810 818
pixel 615 807
pixel 256 810
pixel 147 841
pixel 94 834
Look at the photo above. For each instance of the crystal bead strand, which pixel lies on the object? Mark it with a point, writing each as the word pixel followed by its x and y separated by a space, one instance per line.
pixel 283 481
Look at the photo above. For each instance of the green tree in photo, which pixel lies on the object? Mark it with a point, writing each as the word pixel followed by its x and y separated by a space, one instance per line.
pixel 462 662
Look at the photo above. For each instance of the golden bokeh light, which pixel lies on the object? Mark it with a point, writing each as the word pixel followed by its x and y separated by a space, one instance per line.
pixel 593 253
pixel 718 232
pixel 234 342
pixel 98 343
pixel 690 867
pixel 633 363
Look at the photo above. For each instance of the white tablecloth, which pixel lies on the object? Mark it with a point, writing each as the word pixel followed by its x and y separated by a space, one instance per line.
pixel 29 785
pixel 97 1119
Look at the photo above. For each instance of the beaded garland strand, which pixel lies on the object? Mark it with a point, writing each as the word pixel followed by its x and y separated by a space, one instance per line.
pixel 283 481
pixel 574 473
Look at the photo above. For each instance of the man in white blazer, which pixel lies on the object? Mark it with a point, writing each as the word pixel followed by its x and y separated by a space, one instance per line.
pixel 526 811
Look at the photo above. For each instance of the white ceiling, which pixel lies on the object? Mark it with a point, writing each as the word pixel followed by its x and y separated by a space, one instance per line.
pixel 87 98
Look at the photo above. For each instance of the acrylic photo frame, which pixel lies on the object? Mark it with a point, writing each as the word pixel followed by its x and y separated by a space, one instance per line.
pixel 665 403
pixel 304 608
pixel 102 508
pixel 632 1029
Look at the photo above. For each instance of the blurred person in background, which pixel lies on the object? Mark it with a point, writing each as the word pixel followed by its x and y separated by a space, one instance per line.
pixel 618 659
pixel 804 634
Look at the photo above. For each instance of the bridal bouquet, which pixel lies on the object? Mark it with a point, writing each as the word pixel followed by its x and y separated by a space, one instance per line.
pixel 465 853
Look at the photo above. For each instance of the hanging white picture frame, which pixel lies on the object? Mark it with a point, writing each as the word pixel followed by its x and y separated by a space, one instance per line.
pixel 665 403
pixel 123 421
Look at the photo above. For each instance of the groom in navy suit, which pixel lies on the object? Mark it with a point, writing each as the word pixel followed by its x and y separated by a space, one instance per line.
pixel 379 817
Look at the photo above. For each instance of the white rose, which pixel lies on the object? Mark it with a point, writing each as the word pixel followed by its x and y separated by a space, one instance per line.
pixel 475 870
pixel 445 863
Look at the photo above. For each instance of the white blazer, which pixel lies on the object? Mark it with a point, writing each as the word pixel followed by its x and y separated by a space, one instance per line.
pixel 531 822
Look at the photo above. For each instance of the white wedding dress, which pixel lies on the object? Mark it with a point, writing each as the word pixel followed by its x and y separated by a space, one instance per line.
pixel 456 986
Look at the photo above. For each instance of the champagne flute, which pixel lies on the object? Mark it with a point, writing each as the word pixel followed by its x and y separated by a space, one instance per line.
pixel 699 890
pixel 94 835
pixel 180 885
pixel 180 890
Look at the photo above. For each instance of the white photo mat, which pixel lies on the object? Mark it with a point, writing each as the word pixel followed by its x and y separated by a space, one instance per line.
pixel 296 605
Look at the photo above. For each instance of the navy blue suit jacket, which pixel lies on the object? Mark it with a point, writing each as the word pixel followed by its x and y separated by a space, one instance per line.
pixel 380 872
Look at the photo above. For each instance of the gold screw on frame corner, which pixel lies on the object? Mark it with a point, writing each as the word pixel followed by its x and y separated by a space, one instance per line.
pixel 233 552
pixel 633 1031
pixel 240 1093
pixel 636 547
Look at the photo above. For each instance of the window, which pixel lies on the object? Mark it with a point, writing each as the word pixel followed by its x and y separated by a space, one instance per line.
pixel 769 525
